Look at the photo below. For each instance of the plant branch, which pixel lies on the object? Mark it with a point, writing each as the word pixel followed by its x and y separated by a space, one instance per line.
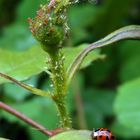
pixel 27 87
pixel 25 119
pixel 128 32
pixel 59 84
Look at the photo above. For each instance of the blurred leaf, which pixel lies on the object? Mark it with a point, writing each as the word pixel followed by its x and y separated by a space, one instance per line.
pixel 80 27
pixel 112 18
pixel 129 56
pixel 47 116
pixel 17 37
pixel 17 93
pixel 101 69
pixel 117 130
pixel 97 105
pixel 127 104
pixel 130 69
pixel 22 65
pixel 71 53
pixel 73 135
pixel 36 135
pixel 27 9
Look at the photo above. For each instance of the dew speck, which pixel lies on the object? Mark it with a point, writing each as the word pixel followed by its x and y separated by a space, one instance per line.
pixel 31 85
pixel 51 85
pixel 93 1
pixel 74 1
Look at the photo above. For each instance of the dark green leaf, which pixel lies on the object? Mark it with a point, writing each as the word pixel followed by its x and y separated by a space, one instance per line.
pixel 98 104
pixel 129 56
pixel 79 27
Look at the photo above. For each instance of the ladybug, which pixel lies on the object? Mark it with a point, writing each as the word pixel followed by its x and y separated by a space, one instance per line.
pixel 102 134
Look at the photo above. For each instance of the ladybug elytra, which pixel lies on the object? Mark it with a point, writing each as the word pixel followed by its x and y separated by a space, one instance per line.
pixel 102 134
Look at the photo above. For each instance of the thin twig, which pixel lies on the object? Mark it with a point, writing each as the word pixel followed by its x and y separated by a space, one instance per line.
pixel 79 105
pixel 25 119
pixel 27 87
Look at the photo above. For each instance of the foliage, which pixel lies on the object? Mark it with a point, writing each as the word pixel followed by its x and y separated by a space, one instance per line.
pixel 25 64
pixel 103 106
pixel 81 134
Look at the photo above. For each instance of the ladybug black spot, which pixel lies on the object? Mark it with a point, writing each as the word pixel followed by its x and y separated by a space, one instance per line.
pixel 95 138
pixel 100 136
pixel 112 138
pixel 107 138
pixel 97 130
pixel 108 130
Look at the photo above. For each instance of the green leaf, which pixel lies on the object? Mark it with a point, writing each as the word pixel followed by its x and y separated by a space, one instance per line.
pixel 127 104
pixel 129 56
pixel 22 65
pixel 19 38
pixel 128 32
pixel 28 9
pixel 117 130
pixel 79 27
pixel 73 135
pixel 97 104
pixel 3 139
pixel 71 53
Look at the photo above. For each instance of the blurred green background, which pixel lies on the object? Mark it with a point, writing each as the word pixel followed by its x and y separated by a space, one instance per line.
pixel 105 94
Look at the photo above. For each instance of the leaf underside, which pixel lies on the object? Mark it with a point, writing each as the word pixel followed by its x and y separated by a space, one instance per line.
pixel 73 135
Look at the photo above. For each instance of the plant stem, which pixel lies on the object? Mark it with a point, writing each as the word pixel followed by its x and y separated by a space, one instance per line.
pixel 58 78
pixel 65 120
pixel 25 119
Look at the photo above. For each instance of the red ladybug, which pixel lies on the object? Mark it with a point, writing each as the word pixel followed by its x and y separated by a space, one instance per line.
pixel 102 134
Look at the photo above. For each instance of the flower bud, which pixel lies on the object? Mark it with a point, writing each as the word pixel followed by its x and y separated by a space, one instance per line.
pixel 49 27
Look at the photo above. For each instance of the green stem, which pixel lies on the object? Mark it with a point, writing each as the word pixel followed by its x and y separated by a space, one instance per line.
pixel 58 78
pixel 65 120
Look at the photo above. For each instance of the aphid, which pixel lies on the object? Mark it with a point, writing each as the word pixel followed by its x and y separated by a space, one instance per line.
pixel 102 134
pixel 46 21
